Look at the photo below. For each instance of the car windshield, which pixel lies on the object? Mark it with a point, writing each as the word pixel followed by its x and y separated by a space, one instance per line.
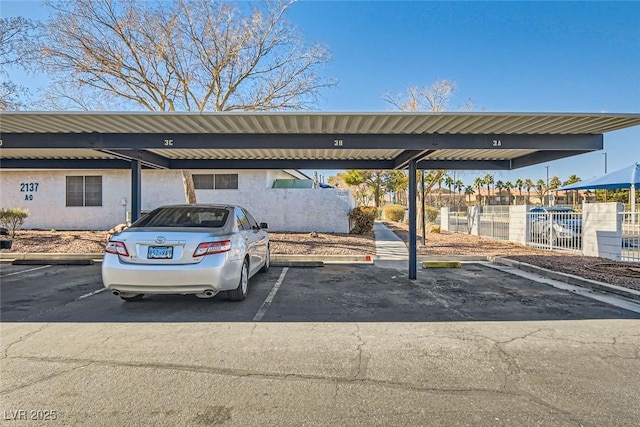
pixel 184 216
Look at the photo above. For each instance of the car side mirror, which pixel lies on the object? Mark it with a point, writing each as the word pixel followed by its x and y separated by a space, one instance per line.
pixel 264 225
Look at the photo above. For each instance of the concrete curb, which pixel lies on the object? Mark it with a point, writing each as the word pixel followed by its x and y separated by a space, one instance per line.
pixel 568 278
pixel 49 258
pixel 326 259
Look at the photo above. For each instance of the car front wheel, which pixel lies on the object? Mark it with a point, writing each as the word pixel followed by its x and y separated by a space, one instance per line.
pixel 240 293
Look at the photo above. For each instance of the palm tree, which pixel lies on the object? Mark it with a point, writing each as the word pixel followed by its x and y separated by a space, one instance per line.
pixel 488 180
pixel 448 181
pixel 440 180
pixel 469 190
pixel 458 185
pixel 508 186
pixel 478 183
pixel 499 187
pixel 541 189
pixel 519 185
pixel 528 184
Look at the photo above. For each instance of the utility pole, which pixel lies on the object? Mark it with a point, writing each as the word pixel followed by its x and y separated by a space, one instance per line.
pixel 548 192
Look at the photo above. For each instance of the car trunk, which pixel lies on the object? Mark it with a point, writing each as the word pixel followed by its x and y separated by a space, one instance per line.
pixel 164 245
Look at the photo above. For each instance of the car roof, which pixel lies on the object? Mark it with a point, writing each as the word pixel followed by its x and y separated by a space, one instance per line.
pixel 199 205
pixel 551 208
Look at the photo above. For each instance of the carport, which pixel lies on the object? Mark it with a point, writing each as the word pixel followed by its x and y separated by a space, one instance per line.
pixel 413 141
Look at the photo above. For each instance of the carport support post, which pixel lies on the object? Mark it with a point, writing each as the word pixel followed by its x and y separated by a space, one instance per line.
pixel 413 258
pixel 136 188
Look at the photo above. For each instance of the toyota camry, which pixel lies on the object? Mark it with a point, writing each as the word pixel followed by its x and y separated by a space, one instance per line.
pixel 187 249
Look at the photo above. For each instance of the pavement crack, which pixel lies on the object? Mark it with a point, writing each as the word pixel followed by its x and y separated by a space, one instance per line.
pixel 45 378
pixel 239 373
pixel 362 359
pixel 23 338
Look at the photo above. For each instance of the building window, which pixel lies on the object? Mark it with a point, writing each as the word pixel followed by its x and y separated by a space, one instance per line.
pixel 84 191
pixel 215 181
pixel 227 181
pixel 203 182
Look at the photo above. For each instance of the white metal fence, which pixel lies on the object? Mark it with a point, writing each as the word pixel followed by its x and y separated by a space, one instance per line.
pixel 494 224
pixel 458 222
pixel 555 230
pixel 603 230
pixel 630 236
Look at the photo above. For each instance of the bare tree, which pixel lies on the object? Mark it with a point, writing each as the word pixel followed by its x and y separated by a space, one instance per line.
pixel 436 97
pixel 184 55
pixel 17 37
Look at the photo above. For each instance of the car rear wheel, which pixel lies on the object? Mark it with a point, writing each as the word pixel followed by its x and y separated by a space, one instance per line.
pixel 240 293
pixel 137 297
pixel 267 262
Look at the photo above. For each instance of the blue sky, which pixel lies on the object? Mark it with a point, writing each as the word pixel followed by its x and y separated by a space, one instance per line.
pixel 506 56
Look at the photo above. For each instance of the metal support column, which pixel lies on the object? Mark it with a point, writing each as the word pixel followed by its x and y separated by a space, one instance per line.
pixel 413 256
pixel 136 189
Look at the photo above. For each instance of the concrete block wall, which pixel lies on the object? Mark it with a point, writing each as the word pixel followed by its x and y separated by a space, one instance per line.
pixel 444 219
pixel 322 210
pixel 602 230
pixel 518 223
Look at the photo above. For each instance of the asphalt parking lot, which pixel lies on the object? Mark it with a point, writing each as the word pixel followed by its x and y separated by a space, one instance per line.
pixel 335 345
pixel 333 293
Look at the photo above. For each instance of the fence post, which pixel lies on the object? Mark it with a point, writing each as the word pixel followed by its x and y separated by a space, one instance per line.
pixel 602 230
pixel 444 219
pixel 519 223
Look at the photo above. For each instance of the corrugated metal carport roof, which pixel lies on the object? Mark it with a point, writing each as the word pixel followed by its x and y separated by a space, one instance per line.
pixel 391 123
pixel 300 139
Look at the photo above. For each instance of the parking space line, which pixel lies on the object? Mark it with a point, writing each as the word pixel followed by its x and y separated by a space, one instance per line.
pixel 26 271
pixel 267 302
pixel 90 293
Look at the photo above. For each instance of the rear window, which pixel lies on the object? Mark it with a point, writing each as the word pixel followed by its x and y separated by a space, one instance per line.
pixel 185 216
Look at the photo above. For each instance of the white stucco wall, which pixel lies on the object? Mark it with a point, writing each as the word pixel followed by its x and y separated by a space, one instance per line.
pixel 602 230
pixel 323 210
pixel 518 223
pixel 444 218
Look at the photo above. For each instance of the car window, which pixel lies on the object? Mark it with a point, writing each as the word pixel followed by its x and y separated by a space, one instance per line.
pixel 252 222
pixel 184 216
pixel 243 222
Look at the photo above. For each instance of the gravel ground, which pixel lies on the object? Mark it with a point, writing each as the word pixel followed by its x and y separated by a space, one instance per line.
pixel 601 269
pixel 42 241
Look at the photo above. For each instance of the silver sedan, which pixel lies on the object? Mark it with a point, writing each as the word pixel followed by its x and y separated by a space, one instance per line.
pixel 187 249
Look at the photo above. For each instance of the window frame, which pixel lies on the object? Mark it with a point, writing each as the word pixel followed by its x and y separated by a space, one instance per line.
pixel 85 195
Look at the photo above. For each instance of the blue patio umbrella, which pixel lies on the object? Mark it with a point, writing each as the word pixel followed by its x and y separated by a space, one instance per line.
pixel 628 177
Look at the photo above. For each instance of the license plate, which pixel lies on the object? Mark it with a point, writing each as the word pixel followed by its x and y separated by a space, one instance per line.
pixel 160 252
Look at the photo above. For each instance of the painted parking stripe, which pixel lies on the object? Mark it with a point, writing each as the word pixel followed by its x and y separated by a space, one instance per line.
pixel 272 294
pixel 90 293
pixel 26 271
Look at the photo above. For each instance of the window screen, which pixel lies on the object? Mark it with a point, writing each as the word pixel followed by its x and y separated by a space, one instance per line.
pixel 84 191
pixel 203 182
pixel 227 181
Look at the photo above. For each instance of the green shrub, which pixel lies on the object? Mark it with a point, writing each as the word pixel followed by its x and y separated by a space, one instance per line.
pixel 394 212
pixel 431 213
pixel 13 218
pixel 363 218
